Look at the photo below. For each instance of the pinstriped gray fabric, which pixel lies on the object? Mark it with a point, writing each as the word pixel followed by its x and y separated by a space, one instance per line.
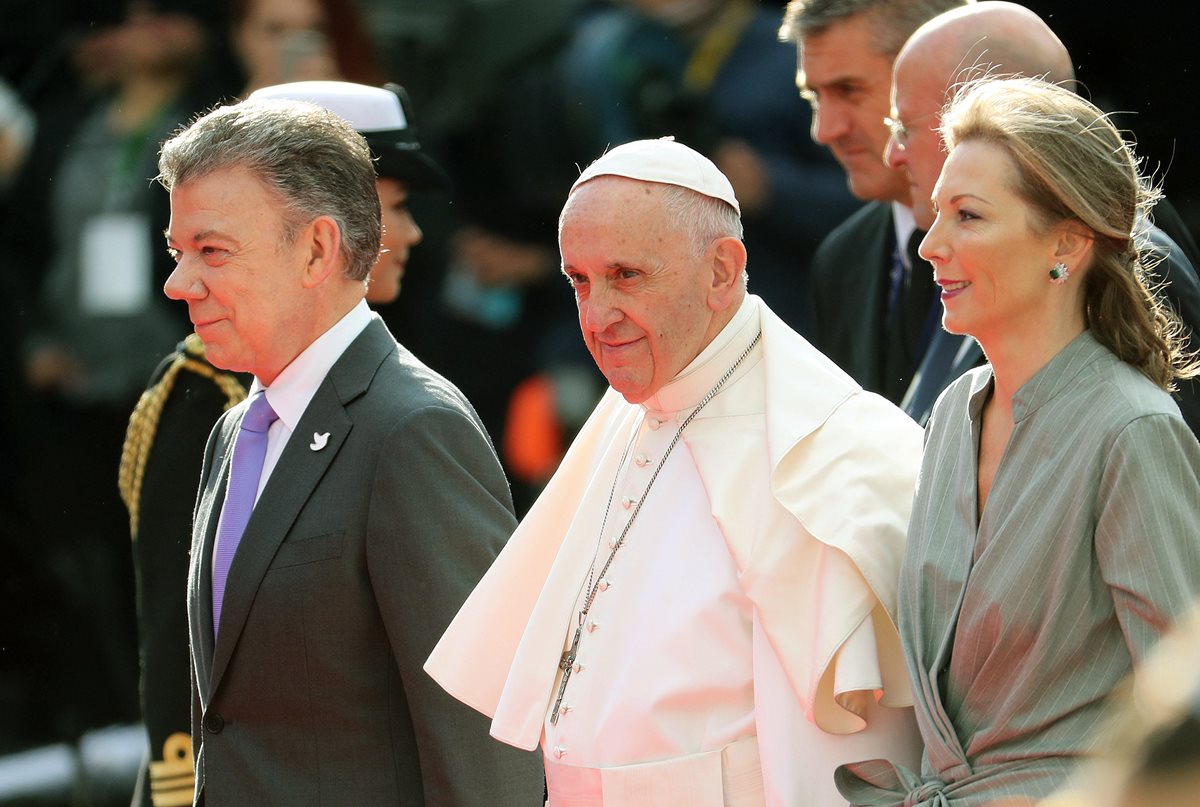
pixel 1015 628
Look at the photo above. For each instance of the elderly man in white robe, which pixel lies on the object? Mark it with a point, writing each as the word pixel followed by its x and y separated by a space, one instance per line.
pixel 699 609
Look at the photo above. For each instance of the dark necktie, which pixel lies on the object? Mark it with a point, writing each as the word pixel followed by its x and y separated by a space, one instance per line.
pixel 909 320
pixel 919 301
pixel 249 451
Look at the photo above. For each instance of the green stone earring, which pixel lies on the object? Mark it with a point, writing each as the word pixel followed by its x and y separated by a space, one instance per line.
pixel 1059 273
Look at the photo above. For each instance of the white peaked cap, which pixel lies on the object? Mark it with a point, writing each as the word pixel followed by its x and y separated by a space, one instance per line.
pixel 382 115
pixel 366 108
pixel 665 161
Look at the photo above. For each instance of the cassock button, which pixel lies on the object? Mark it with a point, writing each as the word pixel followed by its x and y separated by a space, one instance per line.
pixel 560 751
pixel 578 668
pixel 627 502
pixel 214 723
pixel 654 423
pixel 604 584
pixel 566 707
pixel 641 460
pixel 592 626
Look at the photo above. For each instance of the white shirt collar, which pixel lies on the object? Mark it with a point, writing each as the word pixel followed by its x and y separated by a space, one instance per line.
pixel 905 224
pixel 293 388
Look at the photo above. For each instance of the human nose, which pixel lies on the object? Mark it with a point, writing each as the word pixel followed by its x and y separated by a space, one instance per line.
pixel 414 231
pixel 894 154
pixel 933 246
pixel 598 312
pixel 828 124
pixel 183 283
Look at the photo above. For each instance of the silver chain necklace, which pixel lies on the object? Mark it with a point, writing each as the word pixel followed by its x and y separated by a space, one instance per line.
pixel 567 662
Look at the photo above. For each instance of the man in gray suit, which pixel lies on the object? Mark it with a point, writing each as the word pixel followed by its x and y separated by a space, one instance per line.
pixel 346 509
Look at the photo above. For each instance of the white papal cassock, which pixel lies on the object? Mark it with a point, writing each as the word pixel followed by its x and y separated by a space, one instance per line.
pixel 741 645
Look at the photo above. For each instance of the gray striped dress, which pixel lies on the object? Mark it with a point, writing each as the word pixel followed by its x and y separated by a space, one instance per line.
pixel 1017 625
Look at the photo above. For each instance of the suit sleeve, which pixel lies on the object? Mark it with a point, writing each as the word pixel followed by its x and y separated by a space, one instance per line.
pixel 819 283
pixel 1175 279
pixel 440 513
pixel 1149 505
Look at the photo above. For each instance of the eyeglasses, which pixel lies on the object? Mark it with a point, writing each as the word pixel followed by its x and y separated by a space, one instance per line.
pixel 898 131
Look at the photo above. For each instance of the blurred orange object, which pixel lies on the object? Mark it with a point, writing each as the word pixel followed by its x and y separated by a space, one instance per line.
pixel 533 435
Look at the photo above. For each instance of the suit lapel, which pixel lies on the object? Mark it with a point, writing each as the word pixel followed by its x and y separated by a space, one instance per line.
pixel 876 246
pixel 948 357
pixel 295 477
pixel 204 531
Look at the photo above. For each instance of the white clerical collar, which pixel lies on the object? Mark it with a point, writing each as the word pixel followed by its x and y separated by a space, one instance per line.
pixel 701 375
pixel 293 388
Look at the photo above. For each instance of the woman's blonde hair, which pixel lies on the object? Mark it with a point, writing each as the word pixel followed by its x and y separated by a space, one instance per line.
pixel 1074 166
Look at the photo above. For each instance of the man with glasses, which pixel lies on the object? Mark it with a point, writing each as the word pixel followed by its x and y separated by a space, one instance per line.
pixel 875 312
pixel 999 38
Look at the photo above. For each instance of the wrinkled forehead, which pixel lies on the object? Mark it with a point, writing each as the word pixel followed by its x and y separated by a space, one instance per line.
pixel 607 195
pixel 606 185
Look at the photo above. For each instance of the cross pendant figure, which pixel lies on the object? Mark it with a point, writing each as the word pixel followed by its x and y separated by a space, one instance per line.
pixel 566 664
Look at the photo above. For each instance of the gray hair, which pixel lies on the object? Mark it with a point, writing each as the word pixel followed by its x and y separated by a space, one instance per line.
pixel 892 21
pixel 702 219
pixel 311 159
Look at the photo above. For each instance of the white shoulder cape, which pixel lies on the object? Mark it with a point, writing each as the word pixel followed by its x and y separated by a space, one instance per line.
pixel 841 462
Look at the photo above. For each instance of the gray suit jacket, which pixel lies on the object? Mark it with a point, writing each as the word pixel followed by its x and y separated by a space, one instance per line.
pixel 355 560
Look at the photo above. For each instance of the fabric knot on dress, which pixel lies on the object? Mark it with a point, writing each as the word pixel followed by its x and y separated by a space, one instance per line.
pixel 929 794
pixel 880 783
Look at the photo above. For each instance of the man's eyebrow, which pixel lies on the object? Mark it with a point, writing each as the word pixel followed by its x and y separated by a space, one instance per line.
pixel 845 82
pixel 200 236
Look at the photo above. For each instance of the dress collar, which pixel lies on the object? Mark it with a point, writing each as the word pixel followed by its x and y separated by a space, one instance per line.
pixel 1047 383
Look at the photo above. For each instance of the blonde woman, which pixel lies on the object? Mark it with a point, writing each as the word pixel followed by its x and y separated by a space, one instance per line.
pixel 1054 532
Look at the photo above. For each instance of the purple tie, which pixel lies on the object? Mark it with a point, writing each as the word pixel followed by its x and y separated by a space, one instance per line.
pixel 249 450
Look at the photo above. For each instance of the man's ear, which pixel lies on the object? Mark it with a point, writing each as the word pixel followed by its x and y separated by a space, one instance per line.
pixel 728 257
pixel 323 239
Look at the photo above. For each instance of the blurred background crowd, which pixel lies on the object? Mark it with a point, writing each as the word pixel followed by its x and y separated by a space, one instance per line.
pixel 512 97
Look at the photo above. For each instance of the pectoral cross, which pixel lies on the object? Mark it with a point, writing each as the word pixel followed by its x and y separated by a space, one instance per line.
pixel 566 664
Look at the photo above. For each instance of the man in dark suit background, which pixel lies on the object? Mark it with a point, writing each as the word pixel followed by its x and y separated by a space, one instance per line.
pixel 875 302
pixel 373 505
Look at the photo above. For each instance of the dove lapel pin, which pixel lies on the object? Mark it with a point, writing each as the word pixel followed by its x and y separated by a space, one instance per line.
pixel 319 441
